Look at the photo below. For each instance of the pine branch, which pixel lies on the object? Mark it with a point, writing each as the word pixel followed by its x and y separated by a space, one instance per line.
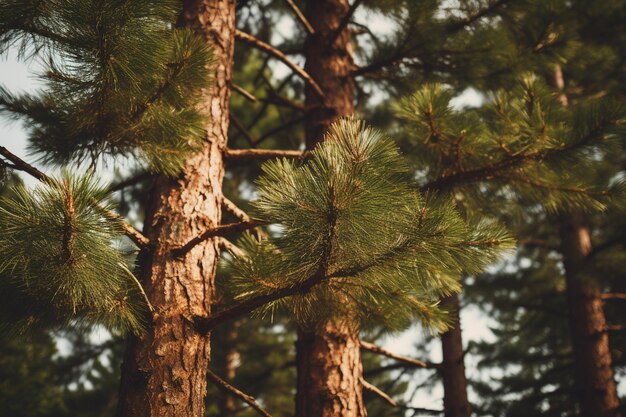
pixel 379 392
pixel 404 359
pixel 248 399
pixel 135 235
pixel 247 154
pixel 344 22
pixel 206 324
pixel 259 44
pixel 249 96
pixel 220 230
pixel 301 17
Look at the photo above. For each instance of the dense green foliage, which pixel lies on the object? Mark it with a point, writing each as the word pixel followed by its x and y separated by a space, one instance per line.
pixel 352 223
pixel 119 80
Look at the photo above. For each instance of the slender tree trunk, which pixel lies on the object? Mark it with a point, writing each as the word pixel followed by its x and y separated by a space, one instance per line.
pixel 328 359
pixel 455 402
pixel 228 369
pixel 164 371
pixel 595 382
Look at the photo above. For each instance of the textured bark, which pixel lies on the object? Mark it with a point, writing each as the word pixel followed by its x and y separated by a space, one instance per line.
pixel 455 402
pixel 595 382
pixel 164 371
pixel 329 373
pixel 330 67
pixel 329 359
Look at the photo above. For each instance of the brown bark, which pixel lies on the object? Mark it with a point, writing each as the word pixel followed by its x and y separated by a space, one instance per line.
pixel 328 359
pixel 329 372
pixel 455 401
pixel 330 67
pixel 164 371
pixel 594 379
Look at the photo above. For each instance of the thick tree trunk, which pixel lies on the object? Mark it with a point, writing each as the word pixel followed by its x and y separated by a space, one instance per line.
pixel 329 373
pixel 328 359
pixel 164 371
pixel 595 382
pixel 455 402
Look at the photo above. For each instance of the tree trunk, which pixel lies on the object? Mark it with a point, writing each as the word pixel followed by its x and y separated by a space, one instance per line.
pixel 595 383
pixel 329 373
pixel 228 369
pixel 455 402
pixel 328 359
pixel 164 371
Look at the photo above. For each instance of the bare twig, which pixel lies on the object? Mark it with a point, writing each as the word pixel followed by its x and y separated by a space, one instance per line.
pixel 139 287
pixel 279 128
pixel 379 392
pixel 230 247
pixel 135 235
pixel 259 44
pixel 234 210
pixel 243 92
pixel 248 399
pixel 213 232
pixel 301 17
pixel 245 132
pixel 405 359
pixel 262 153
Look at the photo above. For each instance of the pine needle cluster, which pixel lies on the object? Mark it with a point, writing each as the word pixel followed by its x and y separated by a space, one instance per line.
pixel 59 262
pixel 353 223
pixel 119 79
pixel 522 142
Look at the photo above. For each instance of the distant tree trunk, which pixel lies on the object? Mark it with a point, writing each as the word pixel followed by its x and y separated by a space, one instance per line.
pixel 455 402
pixel 329 359
pixel 595 382
pixel 164 371
pixel 228 369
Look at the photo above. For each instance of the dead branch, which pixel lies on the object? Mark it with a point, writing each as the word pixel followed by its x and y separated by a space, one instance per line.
pixel 259 44
pixel 405 359
pixel 248 399
pixel 243 92
pixel 220 230
pixel 230 247
pixel 378 392
pixel 234 210
pixel 262 153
